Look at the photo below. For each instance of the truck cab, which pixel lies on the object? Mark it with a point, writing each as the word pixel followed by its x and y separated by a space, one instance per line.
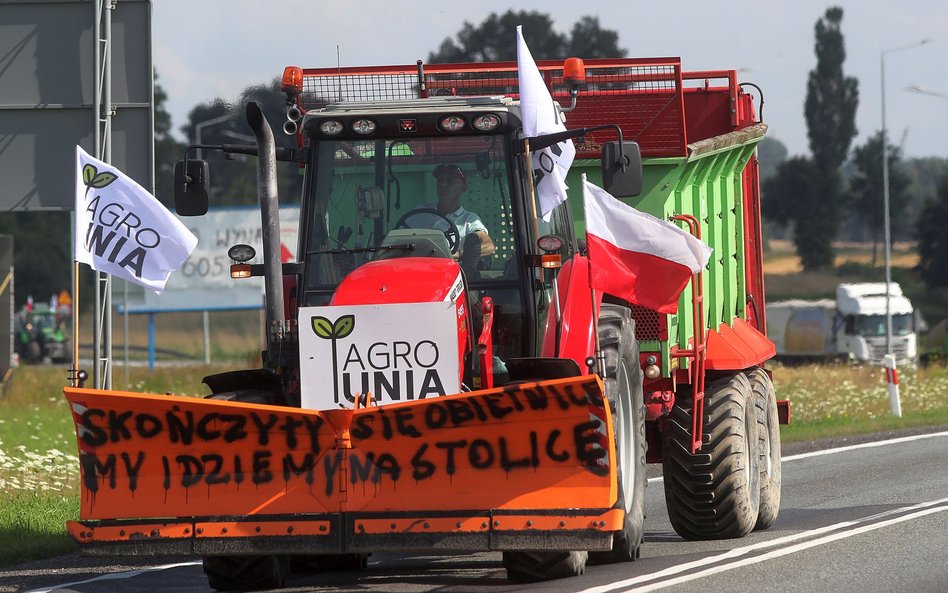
pixel 861 308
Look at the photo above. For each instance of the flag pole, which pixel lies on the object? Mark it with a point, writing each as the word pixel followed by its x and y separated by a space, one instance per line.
pixel 600 362
pixel 74 375
pixel 533 190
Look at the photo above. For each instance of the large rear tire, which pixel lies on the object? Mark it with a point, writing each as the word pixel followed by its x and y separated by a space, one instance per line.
pixel 242 573
pixel 714 493
pixel 623 385
pixel 768 430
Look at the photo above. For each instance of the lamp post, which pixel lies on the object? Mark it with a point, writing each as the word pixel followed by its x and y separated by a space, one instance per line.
pixel 917 88
pixel 199 128
pixel 885 195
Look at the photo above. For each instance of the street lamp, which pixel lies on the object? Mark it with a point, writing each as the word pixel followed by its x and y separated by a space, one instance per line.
pixel 199 128
pixel 885 196
pixel 917 88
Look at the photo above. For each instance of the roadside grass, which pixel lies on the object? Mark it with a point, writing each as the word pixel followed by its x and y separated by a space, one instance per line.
pixel 39 474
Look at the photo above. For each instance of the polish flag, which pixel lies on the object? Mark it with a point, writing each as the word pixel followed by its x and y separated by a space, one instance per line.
pixel 635 256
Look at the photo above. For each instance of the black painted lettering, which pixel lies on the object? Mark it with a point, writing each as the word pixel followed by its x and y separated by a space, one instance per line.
pixel 551 447
pixel 305 467
pixel 459 411
pixel 192 470
pixel 436 416
pixel 147 426
pixel 450 447
pixel 93 469
pixel 235 431
pixel 213 463
pixel 202 427
pixel 421 468
pixel 331 466
pixel 261 467
pixel 88 431
pixel 289 427
pixel 497 410
pixel 178 429
pixel 117 428
pixel 505 460
pixel 362 426
pixel 263 428
pixel 132 469
pixel 313 424
pixel 403 418
pixel 480 454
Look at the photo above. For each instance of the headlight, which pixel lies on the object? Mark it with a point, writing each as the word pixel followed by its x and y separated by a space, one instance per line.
pixel 363 126
pixel 485 122
pixel 330 127
pixel 452 123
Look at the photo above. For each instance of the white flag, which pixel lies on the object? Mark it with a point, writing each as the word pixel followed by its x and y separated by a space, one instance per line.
pixel 123 230
pixel 540 116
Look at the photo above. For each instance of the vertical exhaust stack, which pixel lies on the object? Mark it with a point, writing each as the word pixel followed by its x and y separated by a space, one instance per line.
pixel 270 221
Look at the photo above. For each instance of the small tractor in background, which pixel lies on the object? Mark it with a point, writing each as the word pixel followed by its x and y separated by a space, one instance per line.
pixel 40 333
pixel 419 392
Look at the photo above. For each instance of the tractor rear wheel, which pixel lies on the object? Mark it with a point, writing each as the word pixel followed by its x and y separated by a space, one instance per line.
pixel 623 385
pixel 714 493
pixel 768 430
pixel 241 573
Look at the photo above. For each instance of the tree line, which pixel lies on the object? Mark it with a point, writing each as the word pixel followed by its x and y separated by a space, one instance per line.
pixel 833 193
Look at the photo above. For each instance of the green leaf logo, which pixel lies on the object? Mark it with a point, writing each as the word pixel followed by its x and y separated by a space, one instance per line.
pixel 103 179
pixel 343 326
pixel 88 174
pixel 322 327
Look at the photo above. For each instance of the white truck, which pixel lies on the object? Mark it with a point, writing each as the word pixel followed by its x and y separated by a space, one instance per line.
pixel 853 326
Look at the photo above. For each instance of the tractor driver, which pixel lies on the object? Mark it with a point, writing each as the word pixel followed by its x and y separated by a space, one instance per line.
pixel 451 183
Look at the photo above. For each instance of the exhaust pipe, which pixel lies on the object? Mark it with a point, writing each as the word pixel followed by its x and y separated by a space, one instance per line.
pixel 270 225
pixel 293 112
pixel 290 127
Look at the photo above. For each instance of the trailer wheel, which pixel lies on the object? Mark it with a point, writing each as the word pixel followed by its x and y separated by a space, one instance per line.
pixel 241 573
pixel 714 493
pixel 533 567
pixel 768 429
pixel 623 385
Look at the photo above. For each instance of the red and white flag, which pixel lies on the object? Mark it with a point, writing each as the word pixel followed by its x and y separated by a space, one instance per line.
pixel 635 256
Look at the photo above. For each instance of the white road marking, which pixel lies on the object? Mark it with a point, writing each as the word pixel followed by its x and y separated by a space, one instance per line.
pixel 732 558
pixel 884 443
pixel 117 575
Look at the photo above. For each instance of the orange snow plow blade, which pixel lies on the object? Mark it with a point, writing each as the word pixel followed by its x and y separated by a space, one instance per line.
pixel 530 466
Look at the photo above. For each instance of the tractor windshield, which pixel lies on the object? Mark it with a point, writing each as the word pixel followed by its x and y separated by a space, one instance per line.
pixel 360 191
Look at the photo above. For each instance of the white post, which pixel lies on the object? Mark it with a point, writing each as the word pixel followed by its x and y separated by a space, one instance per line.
pixel 207 338
pixel 892 379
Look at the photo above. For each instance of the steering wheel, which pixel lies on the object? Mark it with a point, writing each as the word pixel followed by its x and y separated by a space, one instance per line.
pixel 424 217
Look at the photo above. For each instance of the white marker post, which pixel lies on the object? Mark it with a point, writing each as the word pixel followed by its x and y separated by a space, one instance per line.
pixel 892 378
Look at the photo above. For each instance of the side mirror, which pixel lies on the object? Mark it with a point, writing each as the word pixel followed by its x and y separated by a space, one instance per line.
pixel 622 182
pixel 191 187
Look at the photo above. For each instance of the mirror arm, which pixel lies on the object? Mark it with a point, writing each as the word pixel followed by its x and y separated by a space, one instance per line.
pixel 546 140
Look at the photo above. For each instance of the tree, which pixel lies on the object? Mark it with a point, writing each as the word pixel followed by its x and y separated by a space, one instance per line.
pixel 932 239
pixel 813 227
pixel 830 111
pixel 234 181
pixel 772 153
pixel 167 150
pixel 493 40
pixel 866 188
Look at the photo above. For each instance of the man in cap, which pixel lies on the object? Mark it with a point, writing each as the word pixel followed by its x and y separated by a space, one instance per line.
pixel 451 183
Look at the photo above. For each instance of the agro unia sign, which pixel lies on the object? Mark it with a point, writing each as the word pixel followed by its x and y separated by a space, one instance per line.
pixel 398 352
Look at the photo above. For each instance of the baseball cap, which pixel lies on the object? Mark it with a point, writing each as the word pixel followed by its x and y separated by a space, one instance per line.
pixel 451 170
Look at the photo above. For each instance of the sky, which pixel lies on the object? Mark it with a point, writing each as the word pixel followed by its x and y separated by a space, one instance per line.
pixel 211 48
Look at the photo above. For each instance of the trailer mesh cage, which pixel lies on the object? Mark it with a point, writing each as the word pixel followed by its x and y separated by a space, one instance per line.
pixel 643 96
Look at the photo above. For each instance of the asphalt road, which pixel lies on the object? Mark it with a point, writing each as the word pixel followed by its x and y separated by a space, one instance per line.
pixel 864 517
